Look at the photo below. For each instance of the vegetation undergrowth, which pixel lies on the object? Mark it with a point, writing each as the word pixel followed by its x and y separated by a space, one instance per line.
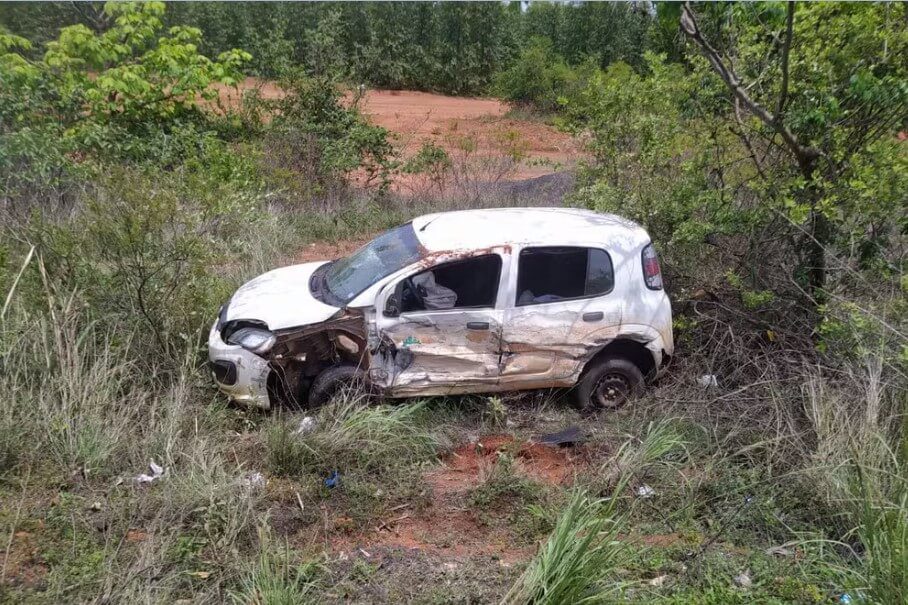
pixel 767 465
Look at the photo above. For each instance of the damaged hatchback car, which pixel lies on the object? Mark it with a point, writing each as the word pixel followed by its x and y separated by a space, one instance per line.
pixel 476 301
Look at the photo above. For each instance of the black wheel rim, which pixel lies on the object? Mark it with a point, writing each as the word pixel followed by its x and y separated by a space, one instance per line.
pixel 611 391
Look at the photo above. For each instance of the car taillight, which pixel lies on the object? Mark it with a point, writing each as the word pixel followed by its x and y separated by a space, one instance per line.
pixel 652 273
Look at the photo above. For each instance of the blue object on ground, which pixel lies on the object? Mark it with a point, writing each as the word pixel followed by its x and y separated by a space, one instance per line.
pixel 333 479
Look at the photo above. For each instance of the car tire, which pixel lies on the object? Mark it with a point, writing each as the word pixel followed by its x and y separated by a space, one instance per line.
pixel 608 383
pixel 333 381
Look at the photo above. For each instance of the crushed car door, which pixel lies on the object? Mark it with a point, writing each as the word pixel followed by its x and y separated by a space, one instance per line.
pixel 440 327
pixel 561 308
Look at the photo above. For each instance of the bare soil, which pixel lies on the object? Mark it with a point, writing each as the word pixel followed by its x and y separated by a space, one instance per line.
pixel 481 128
pixel 452 530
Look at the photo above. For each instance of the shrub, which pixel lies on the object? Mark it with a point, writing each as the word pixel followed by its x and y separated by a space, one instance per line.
pixel 314 141
pixel 538 77
pixel 109 94
pixel 144 253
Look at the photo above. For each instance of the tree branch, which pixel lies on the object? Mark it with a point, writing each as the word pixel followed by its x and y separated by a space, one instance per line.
pixel 786 51
pixel 746 139
pixel 804 154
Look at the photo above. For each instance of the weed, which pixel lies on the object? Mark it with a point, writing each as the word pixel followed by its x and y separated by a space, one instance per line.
pixel 581 552
pixel 351 437
pixel 275 580
pixel 495 414
pixel 502 481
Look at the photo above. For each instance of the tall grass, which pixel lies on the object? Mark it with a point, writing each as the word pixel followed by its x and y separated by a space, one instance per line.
pixel 579 560
pixel 860 465
pixel 881 503
pixel 350 435
pixel 68 393
pixel 275 580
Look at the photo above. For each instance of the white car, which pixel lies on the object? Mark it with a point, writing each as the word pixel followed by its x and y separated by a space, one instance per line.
pixel 477 301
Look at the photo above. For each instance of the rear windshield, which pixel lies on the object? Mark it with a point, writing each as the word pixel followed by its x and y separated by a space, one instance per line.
pixel 389 252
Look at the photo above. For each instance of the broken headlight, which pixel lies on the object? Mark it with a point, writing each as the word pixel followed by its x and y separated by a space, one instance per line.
pixel 252 339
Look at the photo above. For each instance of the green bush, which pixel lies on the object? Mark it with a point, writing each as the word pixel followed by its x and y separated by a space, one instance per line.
pixel 353 438
pixel 143 255
pixel 119 93
pixel 537 78
pixel 316 141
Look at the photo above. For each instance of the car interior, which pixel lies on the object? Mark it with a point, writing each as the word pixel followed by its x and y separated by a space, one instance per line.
pixel 469 283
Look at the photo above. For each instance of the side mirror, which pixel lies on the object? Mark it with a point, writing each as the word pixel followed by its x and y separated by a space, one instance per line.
pixel 392 306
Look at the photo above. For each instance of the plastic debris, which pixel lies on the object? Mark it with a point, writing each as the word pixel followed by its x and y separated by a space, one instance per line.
pixel 708 380
pixel 645 491
pixel 743 580
pixel 567 437
pixel 333 480
pixel 306 426
pixel 254 480
pixel 156 473
pixel 779 551
pixel 658 581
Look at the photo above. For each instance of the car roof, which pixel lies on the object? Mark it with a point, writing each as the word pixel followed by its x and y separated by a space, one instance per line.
pixel 475 229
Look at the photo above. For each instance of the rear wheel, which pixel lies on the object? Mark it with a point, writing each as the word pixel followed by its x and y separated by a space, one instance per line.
pixel 608 383
pixel 335 381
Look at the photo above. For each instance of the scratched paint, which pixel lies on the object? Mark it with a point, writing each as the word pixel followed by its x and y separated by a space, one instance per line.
pixel 435 352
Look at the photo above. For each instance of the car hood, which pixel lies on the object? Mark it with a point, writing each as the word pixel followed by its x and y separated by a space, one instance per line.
pixel 280 298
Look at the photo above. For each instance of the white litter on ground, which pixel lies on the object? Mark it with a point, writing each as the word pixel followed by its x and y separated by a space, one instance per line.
pixel 306 426
pixel 645 491
pixel 156 473
pixel 708 380
pixel 254 480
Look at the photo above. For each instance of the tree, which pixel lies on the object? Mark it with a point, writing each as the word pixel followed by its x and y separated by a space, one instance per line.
pixel 825 82
pixel 107 92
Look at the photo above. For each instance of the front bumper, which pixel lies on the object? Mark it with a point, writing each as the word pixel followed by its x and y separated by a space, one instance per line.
pixel 247 371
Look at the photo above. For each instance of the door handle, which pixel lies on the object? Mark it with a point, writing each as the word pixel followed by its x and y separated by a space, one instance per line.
pixel 593 316
pixel 477 325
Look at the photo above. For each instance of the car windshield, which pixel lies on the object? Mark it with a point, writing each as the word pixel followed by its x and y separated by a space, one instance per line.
pixel 389 252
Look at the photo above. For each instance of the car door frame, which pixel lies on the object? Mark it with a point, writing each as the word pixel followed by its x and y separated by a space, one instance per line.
pixel 395 358
pixel 554 339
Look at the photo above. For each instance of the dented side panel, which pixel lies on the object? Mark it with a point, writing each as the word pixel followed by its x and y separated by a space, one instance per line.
pixel 439 350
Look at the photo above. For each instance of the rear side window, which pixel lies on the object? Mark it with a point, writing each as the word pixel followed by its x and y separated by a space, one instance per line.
pixel 550 274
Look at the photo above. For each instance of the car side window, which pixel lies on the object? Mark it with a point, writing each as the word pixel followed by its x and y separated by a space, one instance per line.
pixel 468 283
pixel 553 273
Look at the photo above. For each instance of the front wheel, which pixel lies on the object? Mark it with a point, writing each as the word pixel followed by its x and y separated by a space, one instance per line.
pixel 608 383
pixel 337 381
